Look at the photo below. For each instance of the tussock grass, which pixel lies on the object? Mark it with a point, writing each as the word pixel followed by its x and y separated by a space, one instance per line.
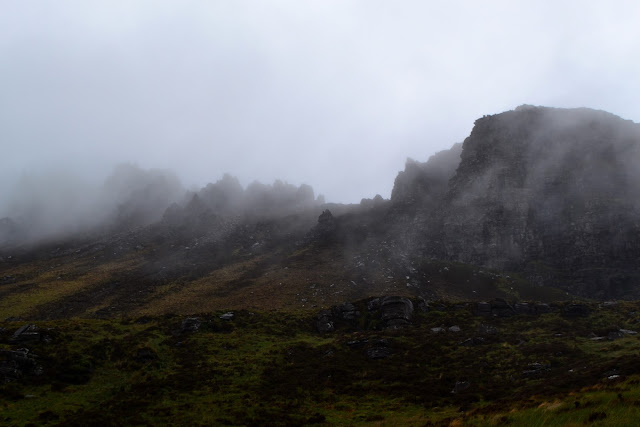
pixel 272 368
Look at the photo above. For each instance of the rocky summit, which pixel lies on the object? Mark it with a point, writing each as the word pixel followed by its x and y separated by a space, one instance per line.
pixel 553 194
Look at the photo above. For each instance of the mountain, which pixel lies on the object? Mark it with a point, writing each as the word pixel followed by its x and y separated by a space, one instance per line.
pixel 551 193
pixel 452 303
pixel 536 204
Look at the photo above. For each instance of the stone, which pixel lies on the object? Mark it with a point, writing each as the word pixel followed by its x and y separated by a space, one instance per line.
pixel 378 352
pixel 542 308
pixel 501 308
pixel 460 386
pixel 487 330
pixel 483 309
pixel 326 223
pixel 438 330
pixel 614 335
pixel 346 311
pixel 227 316
pixel 29 332
pixel 423 305
pixel 576 310
pixel 373 305
pixel 628 331
pixel 357 343
pixel 396 311
pixel 324 322
pixel 15 364
pixel 470 342
pixel 535 369
pixel 190 324
pixel 454 328
pixel 524 308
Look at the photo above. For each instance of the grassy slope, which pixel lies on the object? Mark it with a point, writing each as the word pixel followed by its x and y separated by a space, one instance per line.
pixel 271 368
pixel 107 284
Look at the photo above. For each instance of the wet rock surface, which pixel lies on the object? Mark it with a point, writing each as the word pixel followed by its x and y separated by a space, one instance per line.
pixel 460 386
pixel 379 350
pixel 190 325
pixel 576 310
pixel 501 308
pixel 26 333
pixel 396 311
pixel 520 195
pixel 227 316
pixel 14 364
pixel 535 369
pixel 324 322
pixel 346 311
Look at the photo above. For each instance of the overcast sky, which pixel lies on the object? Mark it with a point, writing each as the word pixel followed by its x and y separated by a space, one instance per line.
pixel 335 94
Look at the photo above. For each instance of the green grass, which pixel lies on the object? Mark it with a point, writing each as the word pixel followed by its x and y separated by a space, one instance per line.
pixel 272 368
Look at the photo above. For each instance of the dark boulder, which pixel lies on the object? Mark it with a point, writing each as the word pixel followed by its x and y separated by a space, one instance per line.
pixel 190 324
pixel 535 369
pixel 460 386
pixel 487 330
pixel 576 310
pixel 501 308
pixel 379 349
pixel 483 309
pixel 423 305
pixel 471 342
pixel 227 316
pixel 524 308
pixel 15 364
pixel 542 308
pixel 324 322
pixel 373 305
pixel 614 335
pixel 356 344
pixel 396 311
pixel 346 311
pixel 25 333
pixel 326 222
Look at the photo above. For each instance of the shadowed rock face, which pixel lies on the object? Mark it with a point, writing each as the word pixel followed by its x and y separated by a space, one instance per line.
pixel 396 311
pixel 426 182
pixel 553 193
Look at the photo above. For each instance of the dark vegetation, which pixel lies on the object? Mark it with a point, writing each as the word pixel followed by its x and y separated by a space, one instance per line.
pixel 501 253
pixel 276 369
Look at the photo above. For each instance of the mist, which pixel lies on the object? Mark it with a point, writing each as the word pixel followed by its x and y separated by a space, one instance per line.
pixel 336 95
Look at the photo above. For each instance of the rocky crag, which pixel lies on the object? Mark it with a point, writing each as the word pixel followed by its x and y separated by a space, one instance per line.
pixel 537 204
pixel 551 193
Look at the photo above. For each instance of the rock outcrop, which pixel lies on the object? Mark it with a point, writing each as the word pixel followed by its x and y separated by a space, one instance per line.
pixel 396 311
pixel 551 193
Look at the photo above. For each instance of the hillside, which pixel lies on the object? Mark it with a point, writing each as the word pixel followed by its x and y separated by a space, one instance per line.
pixel 488 290
pixel 444 364
pixel 537 203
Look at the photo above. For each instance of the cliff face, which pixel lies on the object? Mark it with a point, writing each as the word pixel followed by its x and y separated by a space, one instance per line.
pixel 552 193
pixel 426 182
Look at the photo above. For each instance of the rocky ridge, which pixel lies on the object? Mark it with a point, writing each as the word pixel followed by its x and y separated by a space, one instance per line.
pixel 536 204
pixel 551 193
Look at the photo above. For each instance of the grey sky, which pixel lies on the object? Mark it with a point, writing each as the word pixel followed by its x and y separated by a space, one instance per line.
pixel 335 94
